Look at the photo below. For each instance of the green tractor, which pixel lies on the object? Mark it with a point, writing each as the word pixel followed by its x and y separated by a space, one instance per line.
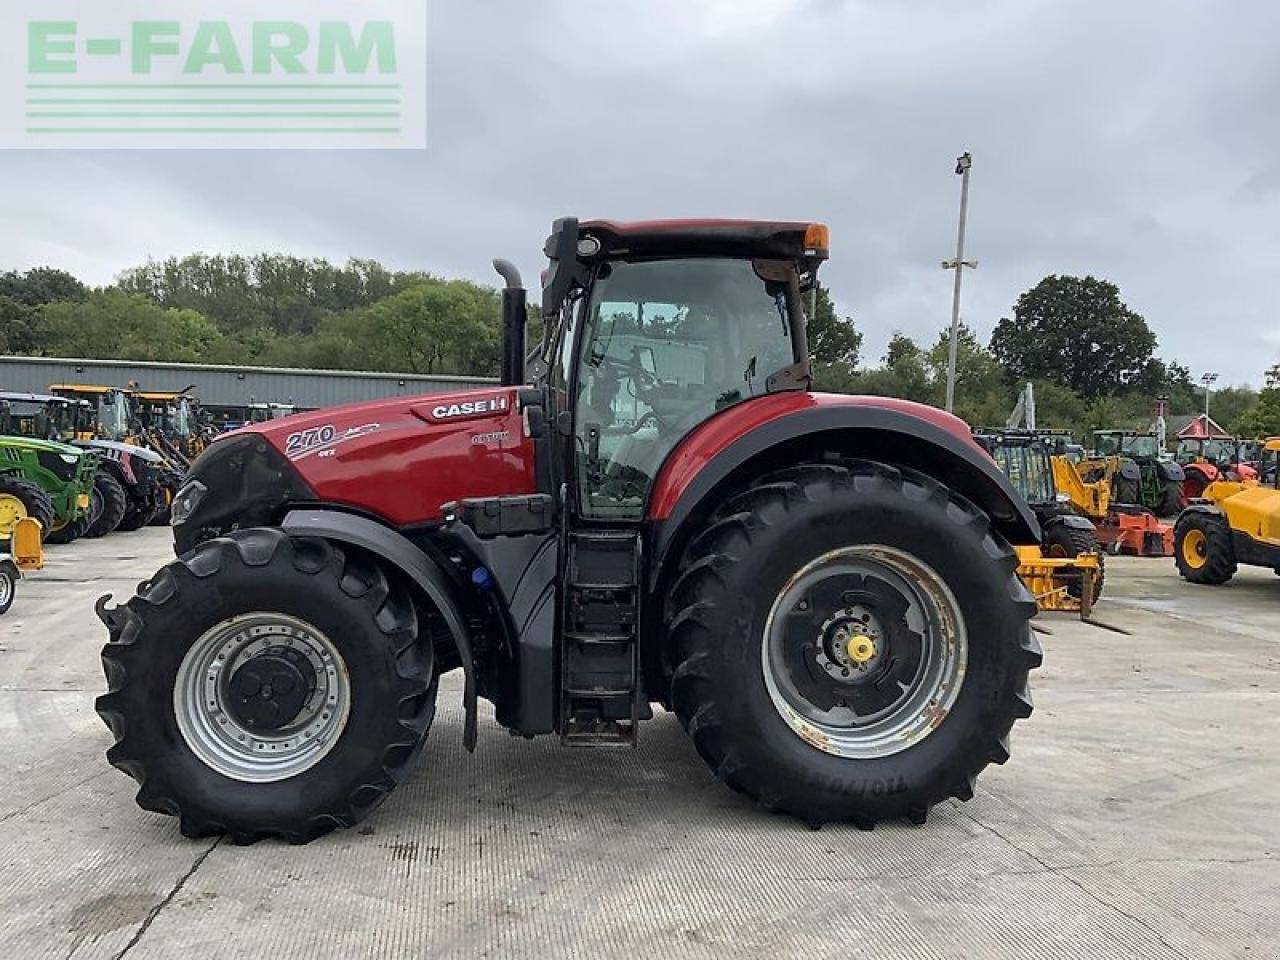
pixel 40 478
pixel 1147 476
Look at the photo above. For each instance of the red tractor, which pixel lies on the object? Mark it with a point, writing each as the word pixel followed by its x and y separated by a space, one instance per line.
pixel 652 508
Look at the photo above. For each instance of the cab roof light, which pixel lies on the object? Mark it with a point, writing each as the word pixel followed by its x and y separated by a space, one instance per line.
pixel 817 238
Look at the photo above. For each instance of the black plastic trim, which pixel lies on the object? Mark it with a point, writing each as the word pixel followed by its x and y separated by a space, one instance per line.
pixel 417 566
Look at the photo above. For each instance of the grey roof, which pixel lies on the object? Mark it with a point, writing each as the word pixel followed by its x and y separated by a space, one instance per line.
pixel 219 385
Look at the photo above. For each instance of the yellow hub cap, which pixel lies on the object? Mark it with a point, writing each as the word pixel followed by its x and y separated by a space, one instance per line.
pixel 11 511
pixel 1195 548
pixel 860 648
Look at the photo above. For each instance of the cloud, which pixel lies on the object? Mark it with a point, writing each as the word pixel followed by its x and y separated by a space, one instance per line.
pixel 1131 141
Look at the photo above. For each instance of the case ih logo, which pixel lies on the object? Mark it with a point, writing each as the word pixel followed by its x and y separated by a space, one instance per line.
pixel 471 408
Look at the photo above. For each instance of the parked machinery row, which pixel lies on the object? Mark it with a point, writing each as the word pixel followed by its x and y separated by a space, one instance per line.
pixel 85 461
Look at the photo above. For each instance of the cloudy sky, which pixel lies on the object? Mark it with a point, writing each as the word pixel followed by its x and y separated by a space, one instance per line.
pixel 1137 141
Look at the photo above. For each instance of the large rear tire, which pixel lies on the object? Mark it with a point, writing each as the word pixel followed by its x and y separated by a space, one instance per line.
pixel 267 686
pixel 136 516
pixel 18 499
pixel 114 504
pixel 1202 548
pixel 850 642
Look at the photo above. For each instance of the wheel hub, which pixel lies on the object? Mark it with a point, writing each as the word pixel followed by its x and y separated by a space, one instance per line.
pixel 11 511
pixel 262 696
pixel 864 651
pixel 850 644
pixel 269 690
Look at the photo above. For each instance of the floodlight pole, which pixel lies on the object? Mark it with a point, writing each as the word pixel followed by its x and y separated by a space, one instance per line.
pixel 963 163
pixel 1209 379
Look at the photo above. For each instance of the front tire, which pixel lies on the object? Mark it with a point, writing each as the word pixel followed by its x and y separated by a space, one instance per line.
pixel 263 686
pixel 8 585
pixel 917 575
pixel 1061 540
pixel 1202 548
pixel 18 499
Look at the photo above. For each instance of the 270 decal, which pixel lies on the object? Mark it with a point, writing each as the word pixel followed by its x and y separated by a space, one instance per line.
pixel 306 439
pixel 304 443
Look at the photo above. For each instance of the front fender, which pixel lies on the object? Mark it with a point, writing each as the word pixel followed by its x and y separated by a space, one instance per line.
pixel 396 549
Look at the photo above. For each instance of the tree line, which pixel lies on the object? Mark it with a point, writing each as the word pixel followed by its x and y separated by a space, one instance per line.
pixel 1092 358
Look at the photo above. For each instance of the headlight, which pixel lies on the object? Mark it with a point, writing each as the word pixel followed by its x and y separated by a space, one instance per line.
pixel 69 457
pixel 185 503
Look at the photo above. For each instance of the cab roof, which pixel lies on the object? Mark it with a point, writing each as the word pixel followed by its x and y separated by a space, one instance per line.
pixel 39 398
pixel 778 239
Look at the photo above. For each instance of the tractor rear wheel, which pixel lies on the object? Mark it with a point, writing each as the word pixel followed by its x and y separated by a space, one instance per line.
pixel 1202 548
pixel 1061 540
pixel 107 490
pixel 267 686
pixel 851 642
pixel 136 516
pixel 19 499
pixel 71 531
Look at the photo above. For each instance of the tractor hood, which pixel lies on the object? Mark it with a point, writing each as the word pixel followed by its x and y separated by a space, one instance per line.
pixel 142 453
pixel 398 460
pixel 46 446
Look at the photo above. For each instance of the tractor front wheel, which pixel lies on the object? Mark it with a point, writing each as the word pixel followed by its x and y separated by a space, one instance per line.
pixel 1061 540
pixel 19 499
pixel 851 643
pixel 112 504
pixel 8 585
pixel 267 686
pixel 1202 548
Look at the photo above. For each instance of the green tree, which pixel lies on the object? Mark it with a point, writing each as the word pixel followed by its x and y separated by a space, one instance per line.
pixel 1263 420
pixel 41 285
pixel 434 327
pixel 832 339
pixel 1075 330
pixel 113 324
pixel 1231 406
pixel 17 333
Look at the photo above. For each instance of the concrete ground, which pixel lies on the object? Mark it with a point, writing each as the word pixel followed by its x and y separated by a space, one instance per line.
pixel 1139 817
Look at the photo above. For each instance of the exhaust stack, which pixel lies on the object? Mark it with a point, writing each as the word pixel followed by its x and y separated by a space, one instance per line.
pixel 514 318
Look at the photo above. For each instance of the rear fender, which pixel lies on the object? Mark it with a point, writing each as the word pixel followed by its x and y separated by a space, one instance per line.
pixel 901 434
pixel 397 550
pixel 1072 520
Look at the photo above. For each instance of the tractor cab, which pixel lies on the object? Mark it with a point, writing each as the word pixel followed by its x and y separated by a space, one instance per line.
pixel 113 412
pixel 24 415
pixel 641 349
pixel 266 412
pixel 1027 460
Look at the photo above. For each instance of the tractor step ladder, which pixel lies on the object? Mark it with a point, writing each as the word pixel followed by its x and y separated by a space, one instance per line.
pixel 600 653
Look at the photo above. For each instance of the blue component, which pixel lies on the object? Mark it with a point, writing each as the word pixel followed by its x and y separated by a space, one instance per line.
pixel 482 578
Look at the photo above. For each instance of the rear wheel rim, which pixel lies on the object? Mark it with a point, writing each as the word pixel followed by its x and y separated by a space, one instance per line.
pixel 1195 548
pixel 215 716
pixel 864 652
pixel 6 588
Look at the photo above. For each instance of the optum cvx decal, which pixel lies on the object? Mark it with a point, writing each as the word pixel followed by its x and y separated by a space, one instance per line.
pixel 305 443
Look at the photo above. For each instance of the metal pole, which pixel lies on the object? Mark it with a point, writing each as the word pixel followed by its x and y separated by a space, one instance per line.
pixel 963 163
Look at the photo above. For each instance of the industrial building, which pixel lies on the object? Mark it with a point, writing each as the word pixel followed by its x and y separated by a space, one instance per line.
pixel 228 389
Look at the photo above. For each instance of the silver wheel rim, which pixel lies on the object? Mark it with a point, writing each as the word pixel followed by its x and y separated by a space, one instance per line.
pixel 6 587
pixel 202 701
pixel 932 621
